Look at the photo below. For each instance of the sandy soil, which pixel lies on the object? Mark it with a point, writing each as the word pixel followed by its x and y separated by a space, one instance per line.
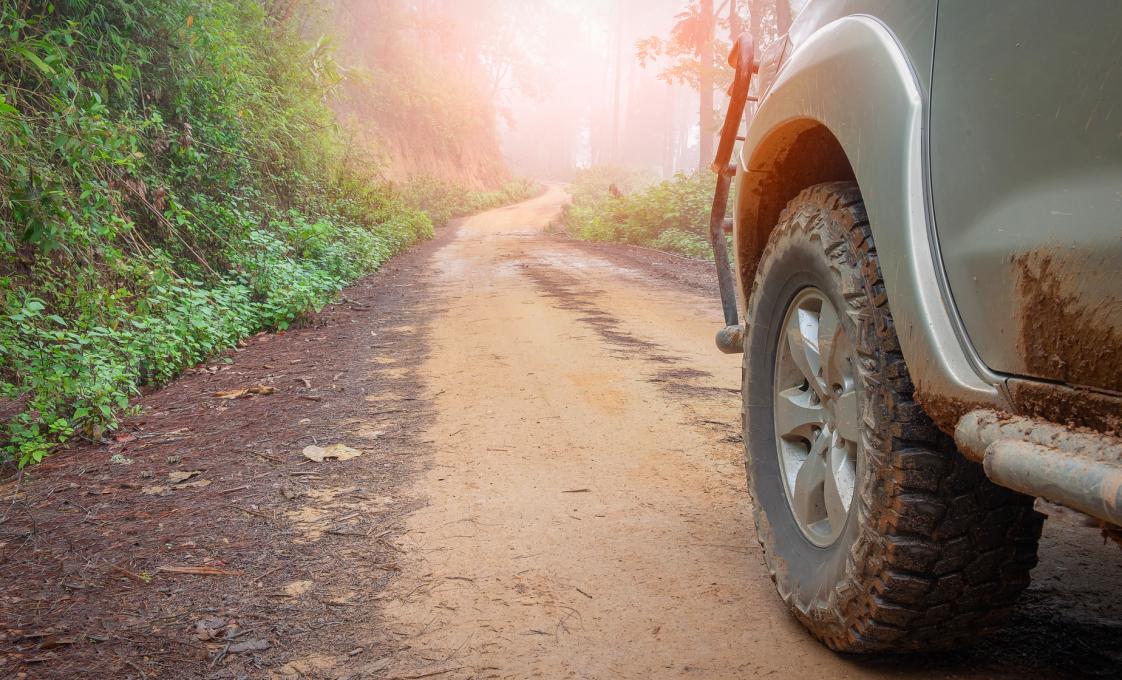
pixel 551 486
pixel 585 513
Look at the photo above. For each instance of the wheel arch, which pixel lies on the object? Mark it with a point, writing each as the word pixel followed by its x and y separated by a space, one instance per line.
pixel 847 105
pixel 794 156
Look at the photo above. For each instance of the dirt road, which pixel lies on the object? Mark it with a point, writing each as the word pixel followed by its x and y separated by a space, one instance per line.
pixel 585 512
pixel 550 486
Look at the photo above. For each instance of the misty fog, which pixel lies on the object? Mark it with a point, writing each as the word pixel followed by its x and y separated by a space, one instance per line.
pixel 566 86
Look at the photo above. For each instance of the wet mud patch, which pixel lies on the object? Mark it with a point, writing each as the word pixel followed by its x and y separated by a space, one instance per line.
pixel 698 276
pixel 569 293
pixel 686 383
pixel 1061 337
pixel 101 576
pixel 1058 643
pixel 1041 639
pixel 685 390
pixel 1068 405
pixel 684 374
pixel 944 411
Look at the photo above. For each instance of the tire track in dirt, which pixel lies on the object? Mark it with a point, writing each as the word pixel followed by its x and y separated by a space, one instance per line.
pixel 552 487
pixel 585 514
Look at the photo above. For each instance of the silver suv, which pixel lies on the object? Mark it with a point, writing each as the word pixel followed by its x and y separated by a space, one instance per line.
pixel 928 255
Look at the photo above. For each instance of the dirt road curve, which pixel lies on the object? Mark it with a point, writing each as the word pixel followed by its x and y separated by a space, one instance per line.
pixel 550 486
pixel 585 513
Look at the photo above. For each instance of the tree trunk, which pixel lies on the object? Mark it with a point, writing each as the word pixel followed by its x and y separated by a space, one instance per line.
pixel 616 89
pixel 782 16
pixel 706 82
pixel 756 8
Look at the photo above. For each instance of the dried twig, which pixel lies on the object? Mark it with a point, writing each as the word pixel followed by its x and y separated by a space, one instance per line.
pixel 199 571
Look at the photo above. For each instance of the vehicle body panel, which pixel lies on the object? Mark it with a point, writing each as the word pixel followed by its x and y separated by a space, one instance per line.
pixel 854 77
pixel 912 24
pixel 1026 177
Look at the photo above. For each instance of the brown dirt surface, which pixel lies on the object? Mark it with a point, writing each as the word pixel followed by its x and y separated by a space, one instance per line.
pixel 84 535
pixel 550 485
pixel 687 272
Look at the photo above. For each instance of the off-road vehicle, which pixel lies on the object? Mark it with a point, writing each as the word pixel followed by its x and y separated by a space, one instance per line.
pixel 927 247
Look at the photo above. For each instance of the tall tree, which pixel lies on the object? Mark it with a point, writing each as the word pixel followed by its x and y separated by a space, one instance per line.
pixel 688 55
pixel 782 16
pixel 705 78
pixel 618 85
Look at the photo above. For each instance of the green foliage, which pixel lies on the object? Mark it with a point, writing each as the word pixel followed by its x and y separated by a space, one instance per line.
pixel 672 215
pixel 172 179
pixel 594 184
pixel 684 243
pixel 444 201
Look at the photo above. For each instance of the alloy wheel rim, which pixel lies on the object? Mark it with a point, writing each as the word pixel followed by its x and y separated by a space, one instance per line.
pixel 817 418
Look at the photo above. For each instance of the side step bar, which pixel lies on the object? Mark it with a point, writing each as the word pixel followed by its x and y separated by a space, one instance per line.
pixel 1078 469
pixel 730 339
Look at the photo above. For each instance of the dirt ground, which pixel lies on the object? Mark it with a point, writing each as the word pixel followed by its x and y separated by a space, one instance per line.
pixel 550 485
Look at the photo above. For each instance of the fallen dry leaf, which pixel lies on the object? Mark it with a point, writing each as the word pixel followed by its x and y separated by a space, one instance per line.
pixel 208 629
pixel 245 392
pixel 336 451
pixel 52 642
pixel 248 646
pixel 179 476
pixel 341 599
pixel 164 490
pixel 297 588
pixel 291 492
pixel 316 665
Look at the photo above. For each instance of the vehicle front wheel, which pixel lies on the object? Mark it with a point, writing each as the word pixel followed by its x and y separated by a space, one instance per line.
pixel 878 534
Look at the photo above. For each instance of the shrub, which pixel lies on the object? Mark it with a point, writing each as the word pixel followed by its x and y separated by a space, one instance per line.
pixel 445 201
pixel 672 215
pixel 677 241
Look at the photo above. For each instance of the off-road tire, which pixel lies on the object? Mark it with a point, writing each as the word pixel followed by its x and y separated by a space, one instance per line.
pixel 933 555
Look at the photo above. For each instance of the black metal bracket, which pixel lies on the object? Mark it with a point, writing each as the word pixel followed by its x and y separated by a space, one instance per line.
pixel 730 339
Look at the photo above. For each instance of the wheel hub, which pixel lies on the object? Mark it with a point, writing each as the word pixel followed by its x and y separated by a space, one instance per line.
pixel 817 421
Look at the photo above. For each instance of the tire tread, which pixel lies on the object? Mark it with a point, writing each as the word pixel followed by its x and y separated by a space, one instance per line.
pixel 944 552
